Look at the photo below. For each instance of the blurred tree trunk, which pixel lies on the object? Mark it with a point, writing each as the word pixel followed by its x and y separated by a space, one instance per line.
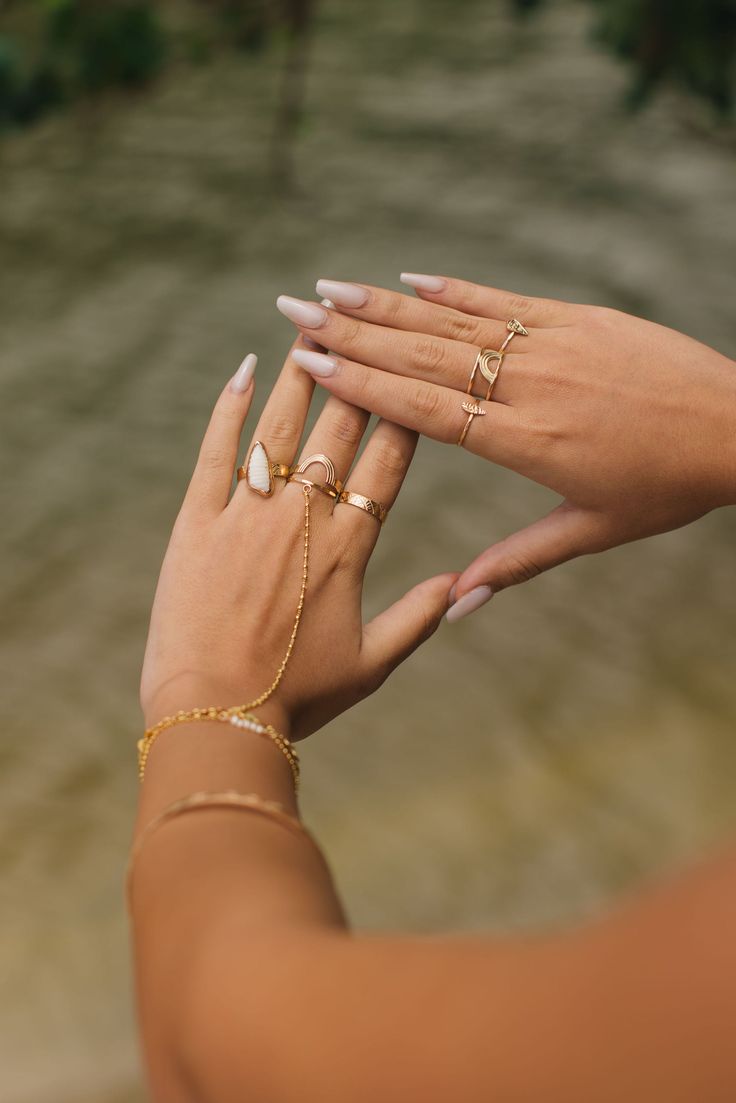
pixel 297 18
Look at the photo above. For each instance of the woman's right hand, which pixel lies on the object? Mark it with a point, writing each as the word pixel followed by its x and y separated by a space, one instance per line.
pixel 631 423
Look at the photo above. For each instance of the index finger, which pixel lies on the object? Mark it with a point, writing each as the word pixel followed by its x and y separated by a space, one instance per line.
pixel 397 311
pixel 489 302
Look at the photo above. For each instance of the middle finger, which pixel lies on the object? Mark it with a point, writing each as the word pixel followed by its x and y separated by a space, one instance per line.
pixel 416 355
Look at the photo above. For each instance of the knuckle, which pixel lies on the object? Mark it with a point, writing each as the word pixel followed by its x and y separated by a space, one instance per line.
pixel 349 331
pixel 394 310
pixel 459 327
pixel 283 428
pixel 389 459
pixel 519 305
pixel 428 625
pixel 345 428
pixel 425 403
pixel 517 568
pixel 428 354
pixel 212 458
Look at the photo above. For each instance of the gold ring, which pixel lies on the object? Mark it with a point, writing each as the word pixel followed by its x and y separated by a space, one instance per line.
pixel 515 328
pixel 259 472
pixel 472 409
pixel 488 362
pixel 332 490
pixel 370 505
pixel 323 460
pixel 331 486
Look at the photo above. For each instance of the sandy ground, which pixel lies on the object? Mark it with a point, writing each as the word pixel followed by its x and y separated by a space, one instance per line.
pixel 528 766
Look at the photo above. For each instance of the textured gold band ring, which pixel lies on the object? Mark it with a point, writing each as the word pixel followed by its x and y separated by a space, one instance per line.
pixel 369 505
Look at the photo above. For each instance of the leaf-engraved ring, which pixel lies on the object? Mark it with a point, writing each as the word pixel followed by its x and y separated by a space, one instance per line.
pixel 370 505
pixel 472 409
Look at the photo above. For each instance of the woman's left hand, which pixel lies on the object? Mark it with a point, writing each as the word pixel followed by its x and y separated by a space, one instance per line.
pixel 230 583
pixel 632 424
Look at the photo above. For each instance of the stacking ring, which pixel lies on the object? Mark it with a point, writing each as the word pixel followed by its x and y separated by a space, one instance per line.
pixel 259 472
pixel 332 485
pixel 472 409
pixel 489 361
pixel 350 498
pixel 515 328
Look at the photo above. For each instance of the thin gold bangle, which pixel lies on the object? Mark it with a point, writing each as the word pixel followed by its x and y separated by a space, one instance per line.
pixel 230 798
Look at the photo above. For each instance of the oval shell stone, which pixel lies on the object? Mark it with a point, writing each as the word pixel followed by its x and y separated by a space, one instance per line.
pixel 259 470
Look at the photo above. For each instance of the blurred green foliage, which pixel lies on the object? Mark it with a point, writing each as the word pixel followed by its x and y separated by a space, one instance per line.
pixel 689 43
pixel 73 48
pixel 55 52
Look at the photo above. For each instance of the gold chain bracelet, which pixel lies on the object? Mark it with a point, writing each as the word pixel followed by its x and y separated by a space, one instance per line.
pixel 240 715
pixel 250 802
pixel 237 715
pixel 307 489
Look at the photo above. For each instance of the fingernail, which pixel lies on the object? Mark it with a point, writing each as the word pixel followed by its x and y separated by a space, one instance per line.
pixel 328 303
pixel 243 376
pixel 423 283
pixel 344 294
pixel 468 603
pixel 300 313
pixel 316 363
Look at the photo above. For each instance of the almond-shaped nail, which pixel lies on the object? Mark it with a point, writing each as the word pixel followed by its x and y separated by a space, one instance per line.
pixel 316 363
pixel 309 315
pixel 433 284
pixel 468 603
pixel 242 379
pixel 343 294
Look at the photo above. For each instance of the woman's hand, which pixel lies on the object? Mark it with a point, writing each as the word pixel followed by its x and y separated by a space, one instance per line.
pixel 230 582
pixel 631 423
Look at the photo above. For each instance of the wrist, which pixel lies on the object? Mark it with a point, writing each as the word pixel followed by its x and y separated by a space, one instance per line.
pixel 185 692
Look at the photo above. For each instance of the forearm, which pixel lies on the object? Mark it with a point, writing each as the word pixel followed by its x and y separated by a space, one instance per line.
pixel 200 873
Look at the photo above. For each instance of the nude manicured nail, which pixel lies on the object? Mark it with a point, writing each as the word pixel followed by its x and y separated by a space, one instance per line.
pixel 468 603
pixel 316 363
pixel 243 376
pixel 423 283
pixel 309 315
pixel 344 294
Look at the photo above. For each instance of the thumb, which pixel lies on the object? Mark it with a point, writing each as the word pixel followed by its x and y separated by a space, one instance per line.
pixel 392 636
pixel 563 534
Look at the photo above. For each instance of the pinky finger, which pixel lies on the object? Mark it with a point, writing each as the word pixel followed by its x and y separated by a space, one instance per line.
pixel 210 484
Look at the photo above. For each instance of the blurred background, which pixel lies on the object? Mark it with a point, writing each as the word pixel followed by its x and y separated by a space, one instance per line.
pixel 165 171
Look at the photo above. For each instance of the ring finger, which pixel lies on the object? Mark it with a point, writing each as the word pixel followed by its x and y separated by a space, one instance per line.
pixel 417 355
pixel 438 412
